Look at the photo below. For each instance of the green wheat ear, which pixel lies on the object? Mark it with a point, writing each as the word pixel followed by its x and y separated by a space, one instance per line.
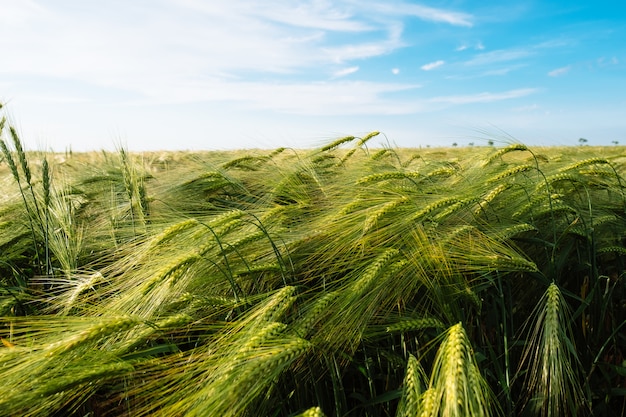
pixel 413 388
pixel 312 412
pixel 550 356
pixel 457 388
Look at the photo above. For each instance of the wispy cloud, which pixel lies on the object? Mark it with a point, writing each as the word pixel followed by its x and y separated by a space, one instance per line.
pixel 485 97
pixel 477 46
pixel 432 14
pixel 432 65
pixel 560 71
pixel 498 56
pixel 395 71
pixel 345 71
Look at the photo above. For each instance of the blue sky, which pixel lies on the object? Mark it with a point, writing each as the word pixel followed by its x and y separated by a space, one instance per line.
pixel 217 74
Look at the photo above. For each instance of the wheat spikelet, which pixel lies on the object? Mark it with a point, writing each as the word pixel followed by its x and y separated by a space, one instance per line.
pixel 458 392
pixel 515 230
pixel 312 412
pixel 258 337
pixel 237 244
pixel 390 175
pixel 612 249
pixel 305 324
pixel 446 201
pixel 584 163
pixel 412 389
pixel 138 338
pixel 455 233
pixel 600 173
pixel 503 151
pixel 556 208
pixel 373 270
pixel 337 143
pixel 226 217
pixel 510 172
pixel 267 267
pixel 506 263
pixel 244 162
pixel 367 137
pixel 453 208
pixel 410 160
pixel 21 155
pixel 276 152
pixel 549 357
pixel 274 308
pixel 490 196
pixel 378 155
pixel 428 404
pixel 275 359
pixel 409 325
pixel 46 182
pixel 351 207
pixel 171 232
pixel 556 178
pixel 443 172
pixel 171 271
pixel 348 155
pixel 372 220
pixel 9 158
pixel 94 333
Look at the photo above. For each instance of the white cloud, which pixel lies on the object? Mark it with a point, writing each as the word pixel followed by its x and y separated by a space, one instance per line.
pixel 485 97
pixel 432 65
pixel 424 12
pixel 477 46
pixel 395 71
pixel 345 71
pixel 497 56
pixel 559 71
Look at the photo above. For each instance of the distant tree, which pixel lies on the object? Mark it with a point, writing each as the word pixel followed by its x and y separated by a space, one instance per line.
pixel 582 141
pixel 490 142
pixel 615 142
pixel 454 145
pixel 471 144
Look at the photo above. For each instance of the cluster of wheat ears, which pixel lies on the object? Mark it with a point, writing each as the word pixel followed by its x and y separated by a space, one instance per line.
pixel 339 281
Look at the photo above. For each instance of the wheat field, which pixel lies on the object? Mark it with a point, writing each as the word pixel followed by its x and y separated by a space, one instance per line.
pixel 339 281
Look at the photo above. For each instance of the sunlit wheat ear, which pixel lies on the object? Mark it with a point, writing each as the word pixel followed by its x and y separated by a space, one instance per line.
pixel 21 155
pixel 584 163
pixel 503 151
pixel 372 219
pixel 510 173
pixel 313 314
pixel 551 381
pixel 390 175
pixel 413 388
pixel 9 158
pixel 312 412
pixel 99 330
pixel 458 388
pixel 337 143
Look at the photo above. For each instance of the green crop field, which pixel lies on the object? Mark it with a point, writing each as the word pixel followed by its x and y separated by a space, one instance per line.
pixel 339 281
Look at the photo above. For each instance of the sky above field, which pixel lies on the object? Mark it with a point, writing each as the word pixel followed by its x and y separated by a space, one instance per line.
pixel 217 74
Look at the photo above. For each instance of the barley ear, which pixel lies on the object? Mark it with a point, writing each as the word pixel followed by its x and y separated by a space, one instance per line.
pixel 9 157
pixel 312 412
pixel 459 388
pixel 413 387
pixel 21 154
pixel 551 382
